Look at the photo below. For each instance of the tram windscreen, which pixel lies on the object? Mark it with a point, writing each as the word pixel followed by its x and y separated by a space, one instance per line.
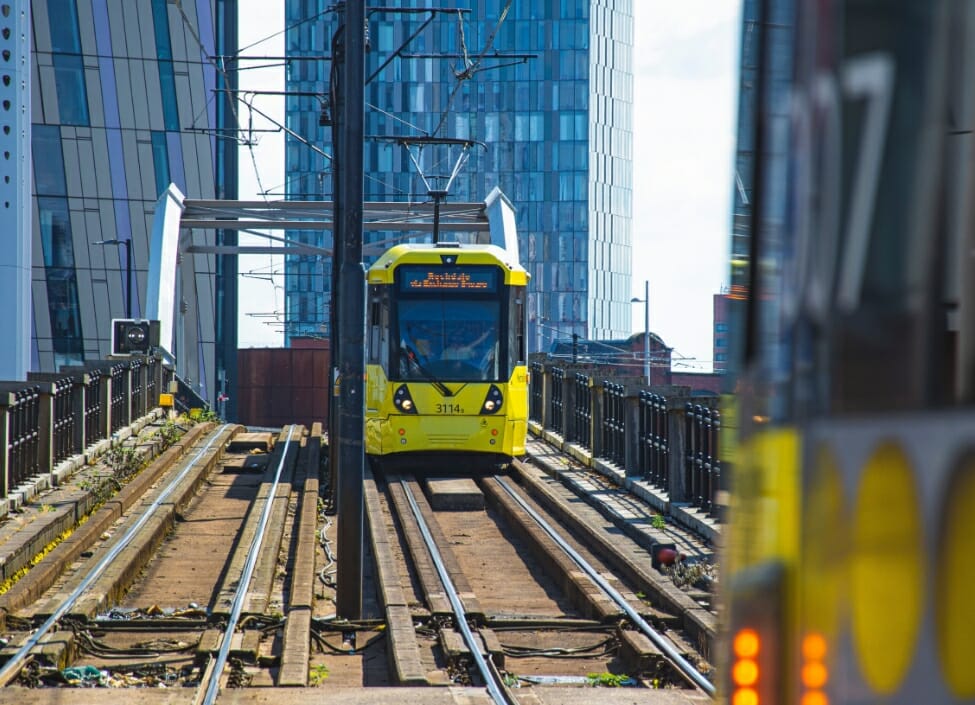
pixel 448 339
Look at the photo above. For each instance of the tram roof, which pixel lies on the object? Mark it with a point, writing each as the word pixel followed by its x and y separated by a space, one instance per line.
pixel 447 253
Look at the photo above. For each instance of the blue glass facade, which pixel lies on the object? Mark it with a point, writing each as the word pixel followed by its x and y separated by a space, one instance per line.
pixel 118 90
pixel 555 121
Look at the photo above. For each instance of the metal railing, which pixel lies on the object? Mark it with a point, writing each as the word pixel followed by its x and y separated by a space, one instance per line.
pixel 63 441
pixel 536 392
pixel 119 415
pixel 557 407
pixel 137 383
pixel 49 418
pixel 582 411
pixel 22 435
pixel 654 448
pixel 664 436
pixel 93 406
pixel 702 467
pixel 614 423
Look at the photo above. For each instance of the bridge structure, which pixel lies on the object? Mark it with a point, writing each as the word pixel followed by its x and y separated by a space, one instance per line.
pixel 176 217
pixel 664 442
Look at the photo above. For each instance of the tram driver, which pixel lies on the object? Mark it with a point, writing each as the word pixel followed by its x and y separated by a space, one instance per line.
pixel 465 345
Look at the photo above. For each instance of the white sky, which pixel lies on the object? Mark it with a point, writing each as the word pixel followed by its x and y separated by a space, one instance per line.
pixel 685 69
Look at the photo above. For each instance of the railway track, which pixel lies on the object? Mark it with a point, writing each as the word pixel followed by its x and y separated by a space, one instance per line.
pixel 506 595
pixel 175 581
pixel 205 576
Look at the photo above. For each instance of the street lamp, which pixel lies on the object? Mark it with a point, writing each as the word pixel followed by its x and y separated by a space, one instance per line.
pixel 128 270
pixel 646 328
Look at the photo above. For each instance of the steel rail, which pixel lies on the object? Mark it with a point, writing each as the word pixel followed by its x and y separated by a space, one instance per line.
pixel 495 687
pixel 216 669
pixel 14 664
pixel 679 662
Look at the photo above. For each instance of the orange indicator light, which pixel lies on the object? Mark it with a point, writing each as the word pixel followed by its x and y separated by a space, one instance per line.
pixel 402 431
pixel 746 643
pixel 814 647
pixel 745 673
pixel 494 431
pixel 814 675
pixel 815 697
pixel 745 696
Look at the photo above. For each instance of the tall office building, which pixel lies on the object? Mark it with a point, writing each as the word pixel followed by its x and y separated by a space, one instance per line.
pixel 124 99
pixel 543 90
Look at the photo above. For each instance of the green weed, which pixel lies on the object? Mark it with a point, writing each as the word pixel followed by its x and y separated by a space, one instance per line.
pixel 317 674
pixel 607 680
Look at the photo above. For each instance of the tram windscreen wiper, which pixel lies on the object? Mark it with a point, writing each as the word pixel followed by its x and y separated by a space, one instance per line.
pixel 414 359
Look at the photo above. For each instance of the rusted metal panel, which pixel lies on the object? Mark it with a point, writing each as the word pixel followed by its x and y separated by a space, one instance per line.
pixel 281 386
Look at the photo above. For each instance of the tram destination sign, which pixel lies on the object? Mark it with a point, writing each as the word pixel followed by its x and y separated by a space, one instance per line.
pixel 434 279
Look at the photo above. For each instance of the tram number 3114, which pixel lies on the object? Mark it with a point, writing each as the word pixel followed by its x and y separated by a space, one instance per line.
pixel 450 409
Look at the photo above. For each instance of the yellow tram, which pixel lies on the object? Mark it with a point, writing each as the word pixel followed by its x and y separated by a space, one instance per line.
pixel 447 380
pixel 848 567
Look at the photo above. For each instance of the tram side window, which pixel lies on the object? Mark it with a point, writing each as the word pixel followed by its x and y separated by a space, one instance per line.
pixel 378 326
pixel 516 327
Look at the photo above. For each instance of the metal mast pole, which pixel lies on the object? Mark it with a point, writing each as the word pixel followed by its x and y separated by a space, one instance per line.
pixel 351 318
pixel 646 328
pixel 128 276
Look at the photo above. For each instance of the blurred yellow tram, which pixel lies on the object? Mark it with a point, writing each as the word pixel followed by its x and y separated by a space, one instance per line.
pixel 849 569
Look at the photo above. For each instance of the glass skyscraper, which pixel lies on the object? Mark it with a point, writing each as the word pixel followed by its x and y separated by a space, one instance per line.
pixel 543 91
pixel 124 101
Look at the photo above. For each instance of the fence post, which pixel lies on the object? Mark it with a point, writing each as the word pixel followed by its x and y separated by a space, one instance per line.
pixel 545 380
pixel 678 440
pixel 631 443
pixel 105 390
pixel 127 386
pixel 568 406
pixel 79 409
pixel 597 411
pixel 153 380
pixel 46 416
pixel 6 401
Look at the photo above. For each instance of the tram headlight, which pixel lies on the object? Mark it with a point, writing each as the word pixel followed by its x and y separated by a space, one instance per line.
pixel 403 401
pixel 493 400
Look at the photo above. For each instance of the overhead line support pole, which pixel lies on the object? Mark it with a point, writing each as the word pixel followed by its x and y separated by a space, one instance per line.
pixel 350 309
pixel 337 90
pixel 646 331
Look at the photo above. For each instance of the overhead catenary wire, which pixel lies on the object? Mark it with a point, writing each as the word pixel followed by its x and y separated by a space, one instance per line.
pixel 471 67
